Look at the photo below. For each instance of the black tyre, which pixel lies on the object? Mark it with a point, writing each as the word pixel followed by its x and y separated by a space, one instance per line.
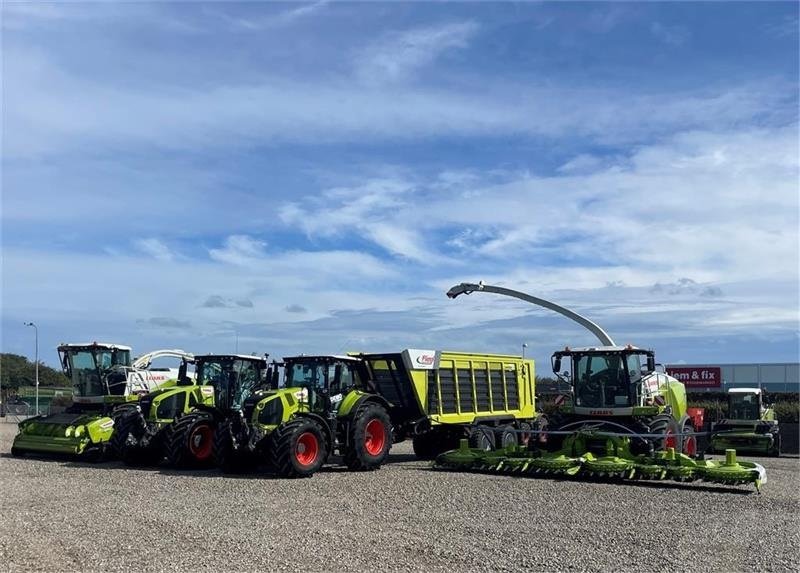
pixel 126 441
pixel 298 448
pixel 17 453
pixel 369 438
pixel 688 440
pixel 424 446
pixel 665 425
pixel 776 447
pixel 190 443
pixel 226 456
pixel 482 439
pixel 505 437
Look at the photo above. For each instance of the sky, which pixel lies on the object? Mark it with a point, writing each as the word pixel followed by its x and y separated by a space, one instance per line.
pixel 291 178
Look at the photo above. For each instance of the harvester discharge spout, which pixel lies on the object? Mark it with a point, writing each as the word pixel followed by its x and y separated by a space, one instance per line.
pixel 621 419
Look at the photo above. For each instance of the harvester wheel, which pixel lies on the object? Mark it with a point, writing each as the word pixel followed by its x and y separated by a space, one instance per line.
pixel 482 439
pixel 505 437
pixel 666 425
pixel 424 446
pixel 689 440
pixel 298 448
pixel 369 438
pixel 225 455
pixel 17 453
pixel 191 442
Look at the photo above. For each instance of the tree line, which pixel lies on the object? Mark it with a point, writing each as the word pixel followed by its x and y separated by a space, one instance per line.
pixel 17 371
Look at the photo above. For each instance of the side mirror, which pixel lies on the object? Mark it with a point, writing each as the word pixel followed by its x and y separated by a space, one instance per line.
pixel 556 364
pixel 651 363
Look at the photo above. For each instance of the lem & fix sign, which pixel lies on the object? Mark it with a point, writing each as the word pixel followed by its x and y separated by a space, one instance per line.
pixel 697 376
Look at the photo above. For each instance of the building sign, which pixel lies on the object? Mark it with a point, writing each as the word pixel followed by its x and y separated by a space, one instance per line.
pixel 697 376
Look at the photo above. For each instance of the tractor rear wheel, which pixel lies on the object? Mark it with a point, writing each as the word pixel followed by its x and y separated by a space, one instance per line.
pixel 665 425
pixel 226 457
pixel 298 448
pixel 369 438
pixel 191 441
pixel 482 439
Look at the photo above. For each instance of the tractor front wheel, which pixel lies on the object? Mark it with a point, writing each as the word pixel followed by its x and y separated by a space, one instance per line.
pixel 129 429
pixel 369 438
pixel 191 442
pixel 298 448
pixel 226 456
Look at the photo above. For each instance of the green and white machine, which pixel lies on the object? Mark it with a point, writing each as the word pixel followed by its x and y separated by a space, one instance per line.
pixel 105 382
pixel 750 426
pixel 179 422
pixel 622 419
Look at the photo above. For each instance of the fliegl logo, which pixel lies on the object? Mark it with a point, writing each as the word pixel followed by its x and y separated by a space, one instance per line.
pixel 426 359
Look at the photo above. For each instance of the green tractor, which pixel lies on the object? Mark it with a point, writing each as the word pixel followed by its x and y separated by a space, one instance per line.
pixel 622 419
pixel 106 384
pixel 179 423
pixel 750 426
pixel 323 408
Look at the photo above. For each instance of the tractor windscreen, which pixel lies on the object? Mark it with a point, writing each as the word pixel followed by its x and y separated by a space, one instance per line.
pixel 601 381
pixel 233 380
pixel 743 407
pixel 92 371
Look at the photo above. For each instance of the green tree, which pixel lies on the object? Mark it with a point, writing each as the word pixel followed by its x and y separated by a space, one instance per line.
pixel 16 371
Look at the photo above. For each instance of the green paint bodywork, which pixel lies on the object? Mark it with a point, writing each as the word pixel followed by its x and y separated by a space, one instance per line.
pixel 616 462
pixel 73 433
pixel 63 433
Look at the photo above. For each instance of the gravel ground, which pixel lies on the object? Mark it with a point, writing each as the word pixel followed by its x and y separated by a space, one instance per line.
pixel 67 516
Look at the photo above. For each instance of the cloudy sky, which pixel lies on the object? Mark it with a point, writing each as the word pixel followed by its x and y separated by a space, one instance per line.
pixel 312 177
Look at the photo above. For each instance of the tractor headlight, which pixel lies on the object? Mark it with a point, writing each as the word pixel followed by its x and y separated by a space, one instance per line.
pixel 79 431
pixel 69 431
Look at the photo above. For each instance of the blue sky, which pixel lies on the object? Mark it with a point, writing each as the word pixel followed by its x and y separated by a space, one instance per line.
pixel 312 177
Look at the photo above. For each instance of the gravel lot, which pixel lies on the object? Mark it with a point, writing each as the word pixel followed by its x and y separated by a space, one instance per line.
pixel 66 516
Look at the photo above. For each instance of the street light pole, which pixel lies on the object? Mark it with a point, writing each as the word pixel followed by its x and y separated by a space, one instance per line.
pixel 36 363
pixel 524 346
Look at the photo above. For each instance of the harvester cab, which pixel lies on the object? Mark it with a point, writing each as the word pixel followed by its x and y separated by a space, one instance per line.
pixel 324 406
pixel 180 422
pixel 106 384
pixel 750 426
pixel 96 370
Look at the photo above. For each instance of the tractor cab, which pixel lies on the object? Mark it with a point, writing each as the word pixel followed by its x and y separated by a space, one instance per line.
pixel 747 404
pixel 605 377
pixel 326 378
pixel 233 377
pixel 96 370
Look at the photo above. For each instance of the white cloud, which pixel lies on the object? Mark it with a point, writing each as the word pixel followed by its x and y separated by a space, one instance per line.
pixel 240 250
pixel 269 20
pixel 672 35
pixel 48 110
pixel 399 55
pixel 155 248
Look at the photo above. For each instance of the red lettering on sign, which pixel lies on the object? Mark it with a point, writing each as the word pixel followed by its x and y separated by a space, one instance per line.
pixel 425 359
